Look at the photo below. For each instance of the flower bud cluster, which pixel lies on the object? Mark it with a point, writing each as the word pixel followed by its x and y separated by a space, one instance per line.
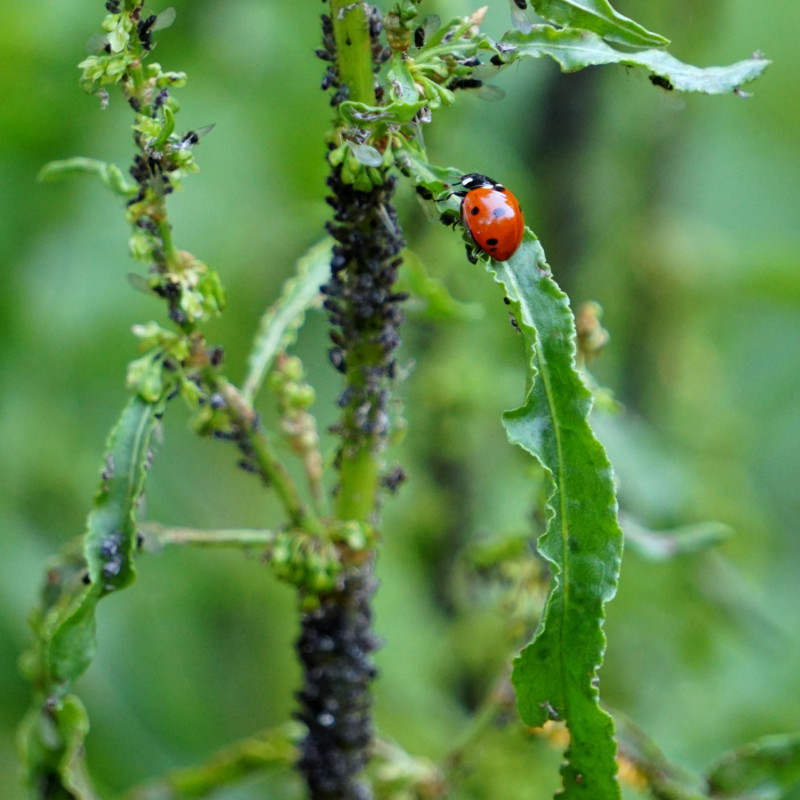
pixel 399 25
pixel 306 561
pixel 172 362
pixel 192 291
pixel 295 396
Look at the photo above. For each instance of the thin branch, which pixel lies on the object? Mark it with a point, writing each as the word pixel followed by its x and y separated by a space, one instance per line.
pixel 156 536
pixel 244 416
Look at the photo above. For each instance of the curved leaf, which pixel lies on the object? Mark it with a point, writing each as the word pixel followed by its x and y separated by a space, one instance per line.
pixel 555 676
pixel 110 174
pixel 52 734
pixel 598 16
pixel 281 321
pixel 663 545
pixel 439 304
pixel 575 49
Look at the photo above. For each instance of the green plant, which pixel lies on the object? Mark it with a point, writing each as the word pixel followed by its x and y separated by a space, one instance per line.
pixel 327 546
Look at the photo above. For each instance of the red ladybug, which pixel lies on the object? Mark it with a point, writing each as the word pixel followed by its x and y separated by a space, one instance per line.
pixel 492 216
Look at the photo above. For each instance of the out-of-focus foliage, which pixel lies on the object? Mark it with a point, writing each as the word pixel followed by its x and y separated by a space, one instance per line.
pixel 677 214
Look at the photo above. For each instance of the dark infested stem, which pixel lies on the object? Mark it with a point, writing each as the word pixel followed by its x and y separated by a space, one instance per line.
pixel 334 647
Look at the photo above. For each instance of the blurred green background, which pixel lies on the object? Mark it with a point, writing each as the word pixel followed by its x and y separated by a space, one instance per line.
pixel 678 214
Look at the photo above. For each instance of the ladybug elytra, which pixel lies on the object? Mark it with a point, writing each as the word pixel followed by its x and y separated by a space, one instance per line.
pixel 492 216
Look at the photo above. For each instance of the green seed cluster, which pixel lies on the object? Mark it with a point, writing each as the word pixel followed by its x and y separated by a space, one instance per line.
pixel 306 561
pixel 295 396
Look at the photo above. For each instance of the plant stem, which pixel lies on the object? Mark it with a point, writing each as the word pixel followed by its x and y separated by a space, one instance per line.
pixel 353 49
pixel 255 443
pixel 493 704
pixel 270 748
pixel 358 473
pixel 157 536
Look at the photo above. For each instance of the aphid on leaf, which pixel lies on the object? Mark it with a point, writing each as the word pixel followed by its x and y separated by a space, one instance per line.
pixel 664 83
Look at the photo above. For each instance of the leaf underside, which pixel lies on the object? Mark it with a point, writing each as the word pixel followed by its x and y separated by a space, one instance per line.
pixel 600 17
pixel 52 733
pixel 575 49
pixel 555 676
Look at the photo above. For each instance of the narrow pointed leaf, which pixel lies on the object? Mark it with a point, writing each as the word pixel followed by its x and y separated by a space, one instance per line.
pixel 51 736
pixel 109 174
pixel 599 17
pixel 767 769
pixel 555 676
pixel 281 321
pixel 575 49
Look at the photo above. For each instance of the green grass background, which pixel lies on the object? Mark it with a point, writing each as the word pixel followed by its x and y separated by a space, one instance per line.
pixel 678 214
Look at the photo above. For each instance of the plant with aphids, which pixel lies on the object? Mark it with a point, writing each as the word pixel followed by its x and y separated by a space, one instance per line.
pixel 387 73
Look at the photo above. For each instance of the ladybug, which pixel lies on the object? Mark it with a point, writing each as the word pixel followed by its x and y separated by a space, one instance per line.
pixel 492 216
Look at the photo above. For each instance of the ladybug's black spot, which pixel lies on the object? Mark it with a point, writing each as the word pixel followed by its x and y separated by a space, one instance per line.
pixel 474 210
pixel 501 211
pixel 492 242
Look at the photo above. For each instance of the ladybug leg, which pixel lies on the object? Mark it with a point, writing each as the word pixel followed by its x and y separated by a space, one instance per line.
pixel 450 194
pixel 471 254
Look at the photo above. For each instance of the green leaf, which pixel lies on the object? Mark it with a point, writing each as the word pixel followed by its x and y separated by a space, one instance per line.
pixel 439 303
pixel 109 174
pixel 555 676
pixel 766 769
pixel 362 115
pixel 576 49
pixel 402 86
pixel 599 17
pixel 51 736
pixel 281 321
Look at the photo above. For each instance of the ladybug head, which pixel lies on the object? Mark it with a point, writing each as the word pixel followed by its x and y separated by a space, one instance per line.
pixel 474 180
